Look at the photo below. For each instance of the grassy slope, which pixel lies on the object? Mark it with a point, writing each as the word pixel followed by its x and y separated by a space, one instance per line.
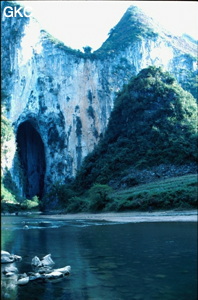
pixel 176 192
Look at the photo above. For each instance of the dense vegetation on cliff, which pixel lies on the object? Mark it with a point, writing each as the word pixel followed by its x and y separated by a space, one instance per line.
pixel 8 188
pixel 153 124
pixel 190 84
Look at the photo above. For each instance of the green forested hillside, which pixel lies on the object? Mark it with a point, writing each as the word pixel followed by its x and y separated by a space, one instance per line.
pixel 153 122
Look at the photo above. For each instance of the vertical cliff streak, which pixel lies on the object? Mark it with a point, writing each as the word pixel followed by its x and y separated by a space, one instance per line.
pixel 67 98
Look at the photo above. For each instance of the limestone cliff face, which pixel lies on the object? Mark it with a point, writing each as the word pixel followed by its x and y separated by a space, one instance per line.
pixel 67 97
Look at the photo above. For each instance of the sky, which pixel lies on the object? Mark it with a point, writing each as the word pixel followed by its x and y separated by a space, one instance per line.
pixel 87 23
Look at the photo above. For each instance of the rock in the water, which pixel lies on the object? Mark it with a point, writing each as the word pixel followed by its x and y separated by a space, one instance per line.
pixel 17 258
pixel 54 275
pixel 24 275
pixel 36 262
pixel 47 260
pixel 5 253
pixel 66 270
pixel 36 276
pixel 6 257
pixel 9 274
pixel 10 268
pixel 23 281
pixel 43 270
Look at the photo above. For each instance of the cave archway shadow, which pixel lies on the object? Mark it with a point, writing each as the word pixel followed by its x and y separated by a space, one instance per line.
pixel 32 158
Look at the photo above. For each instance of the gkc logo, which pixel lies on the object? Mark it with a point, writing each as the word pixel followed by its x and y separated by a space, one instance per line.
pixel 10 12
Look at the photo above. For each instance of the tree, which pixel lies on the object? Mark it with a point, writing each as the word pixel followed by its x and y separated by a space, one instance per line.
pixel 87 49
pixel 99 196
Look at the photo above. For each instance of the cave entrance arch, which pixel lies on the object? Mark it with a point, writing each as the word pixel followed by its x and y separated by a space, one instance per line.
pixel 32 158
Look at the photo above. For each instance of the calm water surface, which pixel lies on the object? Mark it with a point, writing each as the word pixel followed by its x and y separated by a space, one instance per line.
pixel 108 260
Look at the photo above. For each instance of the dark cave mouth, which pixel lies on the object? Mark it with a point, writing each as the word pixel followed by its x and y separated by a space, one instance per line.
pixel 32 159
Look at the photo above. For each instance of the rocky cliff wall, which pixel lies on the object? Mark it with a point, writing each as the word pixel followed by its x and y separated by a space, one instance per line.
pixel 66 96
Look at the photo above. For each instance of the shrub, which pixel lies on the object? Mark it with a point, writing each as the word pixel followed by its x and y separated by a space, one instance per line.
pixel 99 196
pixel 7 196
pixel 77 204
pixel 30 204
pixel 58 196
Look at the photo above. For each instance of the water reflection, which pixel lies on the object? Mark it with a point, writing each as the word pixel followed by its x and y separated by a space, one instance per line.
pixel 8 284
pixel 119 261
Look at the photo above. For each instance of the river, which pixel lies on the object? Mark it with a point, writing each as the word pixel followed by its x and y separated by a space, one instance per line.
pixel 109 260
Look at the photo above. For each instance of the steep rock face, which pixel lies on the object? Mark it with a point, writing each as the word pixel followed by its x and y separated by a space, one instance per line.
pixel 67 97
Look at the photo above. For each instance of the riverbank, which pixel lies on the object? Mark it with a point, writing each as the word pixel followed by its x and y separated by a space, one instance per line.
pixel 129 217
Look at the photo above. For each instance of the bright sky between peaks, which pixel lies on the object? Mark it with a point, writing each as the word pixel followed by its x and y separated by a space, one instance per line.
pixel 87 23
